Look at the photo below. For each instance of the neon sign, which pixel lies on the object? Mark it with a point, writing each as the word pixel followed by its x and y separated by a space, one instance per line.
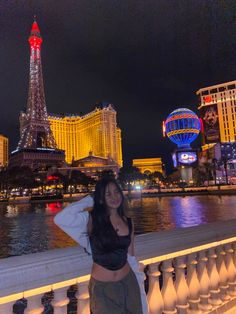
pixel 187 158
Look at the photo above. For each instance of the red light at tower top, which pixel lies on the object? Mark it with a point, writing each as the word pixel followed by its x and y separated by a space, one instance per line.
pixel 35 39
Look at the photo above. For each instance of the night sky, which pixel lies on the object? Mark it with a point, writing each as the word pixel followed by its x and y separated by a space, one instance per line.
pixel 146 57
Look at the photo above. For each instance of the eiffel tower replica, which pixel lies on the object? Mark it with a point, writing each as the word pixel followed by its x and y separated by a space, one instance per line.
pixel 37 147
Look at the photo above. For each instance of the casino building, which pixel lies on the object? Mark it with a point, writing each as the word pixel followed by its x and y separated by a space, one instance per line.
pixel 218 111
pixel 95 133
pixel 217 108
pixel 3 151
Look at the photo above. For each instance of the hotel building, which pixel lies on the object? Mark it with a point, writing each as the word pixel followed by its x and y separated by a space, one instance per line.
pixel 95 133
pixel 218 111
pixel 3 151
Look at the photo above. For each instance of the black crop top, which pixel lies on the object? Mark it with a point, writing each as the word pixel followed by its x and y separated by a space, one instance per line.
pixel 116 258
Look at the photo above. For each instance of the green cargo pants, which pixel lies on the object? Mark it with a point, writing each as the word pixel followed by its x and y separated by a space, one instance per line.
pixel 115 297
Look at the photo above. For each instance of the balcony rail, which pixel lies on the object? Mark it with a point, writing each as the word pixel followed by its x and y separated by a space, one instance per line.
pixel 188 270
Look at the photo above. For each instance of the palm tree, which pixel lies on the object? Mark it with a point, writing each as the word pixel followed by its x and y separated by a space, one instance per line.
pixel 156 177
pixel 215 166
pixel 79 178
pixel 174 177
pixel 224 162
pixel 206 171
pixel 21 177
pixel 40 180
pixel 199 176
pixel 107 174
pixel 128 175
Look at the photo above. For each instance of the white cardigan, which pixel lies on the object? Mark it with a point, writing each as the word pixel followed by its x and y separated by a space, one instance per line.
pixel 73 220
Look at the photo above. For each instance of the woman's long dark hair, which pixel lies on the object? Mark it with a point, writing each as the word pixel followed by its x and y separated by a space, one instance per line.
pixel 103 233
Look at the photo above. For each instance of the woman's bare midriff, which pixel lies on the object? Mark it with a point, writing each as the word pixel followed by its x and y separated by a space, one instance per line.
pixel 102 274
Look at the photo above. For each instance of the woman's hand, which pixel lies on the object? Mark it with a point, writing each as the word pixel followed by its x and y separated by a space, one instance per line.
pixel 88 209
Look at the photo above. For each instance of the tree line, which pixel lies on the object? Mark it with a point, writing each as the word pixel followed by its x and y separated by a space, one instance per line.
pixel 69 181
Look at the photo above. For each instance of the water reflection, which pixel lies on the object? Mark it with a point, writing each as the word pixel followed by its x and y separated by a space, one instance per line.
pixel 27 228
pixel 187 212
pixel 54 207
pixel 12 211
pixel 154 214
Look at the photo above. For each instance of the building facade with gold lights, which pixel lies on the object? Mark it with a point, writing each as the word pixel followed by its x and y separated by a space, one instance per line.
pixel 217 108
pixel 3 151
pixel 93 166
pixel 148 165
pixel 95 132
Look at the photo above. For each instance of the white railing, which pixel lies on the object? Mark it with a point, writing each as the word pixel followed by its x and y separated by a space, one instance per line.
pixel 197 266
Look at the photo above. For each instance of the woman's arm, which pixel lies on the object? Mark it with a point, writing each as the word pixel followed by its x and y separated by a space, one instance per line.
pixel 70 216
pixel 73 220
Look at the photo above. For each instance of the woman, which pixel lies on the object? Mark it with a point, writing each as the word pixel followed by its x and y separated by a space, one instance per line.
pixel 113 287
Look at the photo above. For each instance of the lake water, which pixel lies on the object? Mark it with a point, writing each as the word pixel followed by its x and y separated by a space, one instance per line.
pixel 28 228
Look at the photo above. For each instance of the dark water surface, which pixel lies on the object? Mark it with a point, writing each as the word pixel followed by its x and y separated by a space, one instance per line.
pixel 28 228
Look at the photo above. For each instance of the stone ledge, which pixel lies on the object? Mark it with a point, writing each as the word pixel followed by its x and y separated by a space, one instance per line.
pixel 35 270
pixel 226 308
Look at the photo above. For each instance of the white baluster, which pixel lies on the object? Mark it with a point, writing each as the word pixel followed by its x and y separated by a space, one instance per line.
pixel 214 278
pixel 181 286
pixel 204 282
pixel 82 296
pixel 154 296
pixel 168 290
pixel 34 304
pixel 7 308
pixel 193 285
pixel 230 269
pixel 60 301
pixel 220 264
pixel 143 293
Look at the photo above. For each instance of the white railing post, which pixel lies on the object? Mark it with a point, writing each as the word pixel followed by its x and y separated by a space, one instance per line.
pixel 168 290
pixel 193 284
pixel 230 269
pixel 34 304
pixel 141 268
pixel 31 275
pixel 60 301
pixel 154 296
pixel 204 282
pixel 181 286
pixel 214 278
pixel 7 308
pixel 82 295
pixel 220 264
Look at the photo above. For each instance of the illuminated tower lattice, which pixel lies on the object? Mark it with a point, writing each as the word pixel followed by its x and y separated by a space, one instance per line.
pixel 35 127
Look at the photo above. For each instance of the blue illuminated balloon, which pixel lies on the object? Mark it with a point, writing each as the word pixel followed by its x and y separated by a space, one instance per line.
pixel 182 127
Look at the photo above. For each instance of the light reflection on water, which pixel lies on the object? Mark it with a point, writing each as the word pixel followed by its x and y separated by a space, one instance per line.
pixel 28 228
pixel 153 214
